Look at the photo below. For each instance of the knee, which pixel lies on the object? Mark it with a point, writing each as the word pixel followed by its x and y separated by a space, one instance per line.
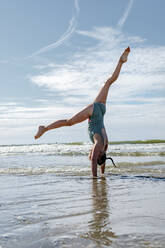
pixel 69 122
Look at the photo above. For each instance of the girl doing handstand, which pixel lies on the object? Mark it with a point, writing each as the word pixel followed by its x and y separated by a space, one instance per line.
pixel 95 115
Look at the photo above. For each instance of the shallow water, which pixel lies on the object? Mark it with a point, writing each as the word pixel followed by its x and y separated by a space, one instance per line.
pixel 71 211
pixel 50 200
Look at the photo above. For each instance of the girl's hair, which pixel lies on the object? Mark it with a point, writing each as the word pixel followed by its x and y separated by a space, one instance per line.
pixel 103 158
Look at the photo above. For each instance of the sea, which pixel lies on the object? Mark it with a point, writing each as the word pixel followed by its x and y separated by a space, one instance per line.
pixel 49 199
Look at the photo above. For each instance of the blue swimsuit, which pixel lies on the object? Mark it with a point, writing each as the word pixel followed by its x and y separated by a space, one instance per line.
pixel 96 121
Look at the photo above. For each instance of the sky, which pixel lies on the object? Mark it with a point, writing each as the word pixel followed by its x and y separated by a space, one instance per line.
pixel 56 54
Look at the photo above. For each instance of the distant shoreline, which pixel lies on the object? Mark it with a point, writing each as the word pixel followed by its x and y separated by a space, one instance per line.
pixel 150 141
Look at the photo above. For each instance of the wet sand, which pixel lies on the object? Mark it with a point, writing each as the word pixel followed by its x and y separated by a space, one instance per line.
pixel 77 211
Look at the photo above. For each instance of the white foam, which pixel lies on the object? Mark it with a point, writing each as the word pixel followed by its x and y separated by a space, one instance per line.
pixel 45 170
pixel 80 149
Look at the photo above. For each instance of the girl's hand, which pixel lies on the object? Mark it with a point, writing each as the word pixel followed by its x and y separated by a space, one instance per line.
pixel 90 154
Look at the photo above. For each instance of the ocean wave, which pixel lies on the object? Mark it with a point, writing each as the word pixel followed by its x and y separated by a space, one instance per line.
pixel 81 149
pixel 86 153
pixel 137 154
pixel 42 170
pixel 122 167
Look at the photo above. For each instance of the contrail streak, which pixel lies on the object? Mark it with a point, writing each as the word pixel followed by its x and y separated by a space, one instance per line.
pixel 125 15
pixel 66 35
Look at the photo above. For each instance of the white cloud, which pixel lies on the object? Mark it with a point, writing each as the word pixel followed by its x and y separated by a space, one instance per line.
pixel 4 61
pixel 141 81
pixel 135 106
pixel 86 71
pixel 19 124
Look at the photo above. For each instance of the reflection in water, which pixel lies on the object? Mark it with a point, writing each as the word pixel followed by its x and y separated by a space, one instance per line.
pixel 99 227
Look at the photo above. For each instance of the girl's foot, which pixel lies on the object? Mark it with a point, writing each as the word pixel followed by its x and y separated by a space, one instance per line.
pixel 124 56
pixel 41 131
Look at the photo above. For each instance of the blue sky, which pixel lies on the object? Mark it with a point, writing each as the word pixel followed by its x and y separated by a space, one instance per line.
pixel 56 54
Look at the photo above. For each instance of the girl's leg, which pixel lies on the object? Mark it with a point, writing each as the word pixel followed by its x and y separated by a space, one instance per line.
pixel 102 96
pixel 81 116
pixel 87 112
